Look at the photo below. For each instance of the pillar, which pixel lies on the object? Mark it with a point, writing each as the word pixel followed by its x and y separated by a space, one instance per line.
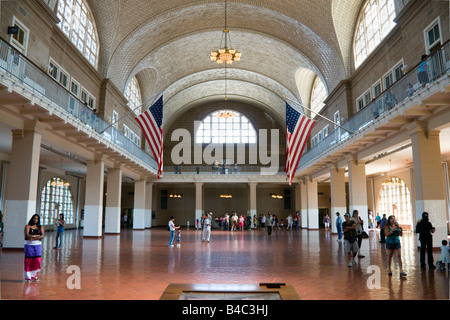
pixel 252 201
pixel 198 201
pixel 93 207
pixel 21 183
pixel 357 188
pixel 303 205
pixel 429 180
pixel 338 202
pixel 113 201
pixel 312 204
pixel 148 205
pixel 139 205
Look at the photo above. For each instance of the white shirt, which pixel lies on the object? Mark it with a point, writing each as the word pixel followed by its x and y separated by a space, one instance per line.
pixel 171 226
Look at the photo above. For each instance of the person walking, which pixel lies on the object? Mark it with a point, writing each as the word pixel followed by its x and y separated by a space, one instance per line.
pixel 425 230
pixel 326 221
pixel 269 224
pixel 289 222
pixel 60 224
pixel 382 225
pixel 350 239
pixel 207 227
pixel 359 229
pixel 34 233
pixel 172 229
pixel 339 226
pixel 393 232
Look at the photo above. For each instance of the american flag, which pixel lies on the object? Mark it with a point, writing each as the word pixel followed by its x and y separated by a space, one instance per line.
pixel 298 128
pixel 150 122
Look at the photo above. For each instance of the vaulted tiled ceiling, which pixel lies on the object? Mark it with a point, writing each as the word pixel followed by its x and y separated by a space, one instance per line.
pixel 166 45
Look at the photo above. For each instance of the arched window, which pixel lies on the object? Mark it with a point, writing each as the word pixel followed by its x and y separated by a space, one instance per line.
pixel 395 199
pixel 56 198
pixel 225 126
pixel 375 21
pixel 133 95
pixel 77 23
pixel 318 95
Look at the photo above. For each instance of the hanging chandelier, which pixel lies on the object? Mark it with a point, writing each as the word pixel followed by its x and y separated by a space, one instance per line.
pixel 393 180
pixel 225 54
pixel 225 114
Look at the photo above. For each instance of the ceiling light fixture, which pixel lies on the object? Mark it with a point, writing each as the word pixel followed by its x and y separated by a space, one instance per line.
pixel 225 54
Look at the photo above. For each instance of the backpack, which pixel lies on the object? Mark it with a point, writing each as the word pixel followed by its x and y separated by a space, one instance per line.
pixel 168 228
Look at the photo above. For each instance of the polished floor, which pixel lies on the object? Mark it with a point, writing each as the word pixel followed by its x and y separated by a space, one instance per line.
pixel 140 265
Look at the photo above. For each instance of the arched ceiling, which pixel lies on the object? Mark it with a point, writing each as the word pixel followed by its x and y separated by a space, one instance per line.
pixel 166 45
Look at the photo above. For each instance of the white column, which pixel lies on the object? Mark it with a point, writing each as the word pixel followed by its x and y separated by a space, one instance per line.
pixel 198 201
pixel 429 180
pixel 303 205
pixel 21 184
pixel 252 201
pixel 93 207
pixel 313 204
pixel 148 205
pixel 338 202
pixel 139 205
pixel 113 201
pixel 357 188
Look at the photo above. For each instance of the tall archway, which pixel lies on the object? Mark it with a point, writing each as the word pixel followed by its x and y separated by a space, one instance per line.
pixel 395 199
pixel 56 198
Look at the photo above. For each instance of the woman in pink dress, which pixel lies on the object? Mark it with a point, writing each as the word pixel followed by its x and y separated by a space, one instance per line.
pixel 241 222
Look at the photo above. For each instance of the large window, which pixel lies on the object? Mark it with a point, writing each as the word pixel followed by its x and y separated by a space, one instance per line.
pixel 56 198
pixel 395 199
pixel 376 20
pixel 77 23
pixel 133 95
pixel 318 95
pixel 225 126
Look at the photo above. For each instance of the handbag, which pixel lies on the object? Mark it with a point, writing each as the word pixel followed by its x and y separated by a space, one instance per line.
pixel 364 235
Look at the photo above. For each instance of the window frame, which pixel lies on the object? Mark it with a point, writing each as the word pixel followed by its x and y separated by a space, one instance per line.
pixel 22 48
pixel 430 27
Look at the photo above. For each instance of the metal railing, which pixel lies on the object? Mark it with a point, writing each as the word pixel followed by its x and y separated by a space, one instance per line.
pixel 407 86
pixel 34 79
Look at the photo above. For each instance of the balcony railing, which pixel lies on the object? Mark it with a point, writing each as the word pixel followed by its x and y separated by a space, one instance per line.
pixel 406 87
pixel 18 67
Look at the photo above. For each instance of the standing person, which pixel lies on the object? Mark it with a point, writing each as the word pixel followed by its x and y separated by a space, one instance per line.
pixel 326 221
pixel 370 219
pixel 263 222
pixel 241 223
pixel 359 229
pixel 60 224
pixel 289 222
pixel 339 226
pixel 378 218
pixel 178 238
pixel 422 74
pixel 425 229
pixel 393 232
pixel 350 239
pixel 445 255
pixel 34 233
pixel 207 227
pixel 172 229
pixel 269 224
pixel 382 225
pixel 296 221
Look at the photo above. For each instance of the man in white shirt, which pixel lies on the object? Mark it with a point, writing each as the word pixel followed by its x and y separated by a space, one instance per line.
pixel 207 227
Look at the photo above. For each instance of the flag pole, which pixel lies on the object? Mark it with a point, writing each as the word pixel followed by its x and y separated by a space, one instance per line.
pixel 127 113
pixel 337 125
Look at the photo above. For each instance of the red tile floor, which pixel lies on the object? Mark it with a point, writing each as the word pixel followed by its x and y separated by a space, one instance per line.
pixel 140 265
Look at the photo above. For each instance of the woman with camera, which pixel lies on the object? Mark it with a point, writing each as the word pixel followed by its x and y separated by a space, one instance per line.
pixel 393 233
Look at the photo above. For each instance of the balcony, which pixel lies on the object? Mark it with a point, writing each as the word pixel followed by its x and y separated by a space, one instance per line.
pixel 405 101
pixel 18 75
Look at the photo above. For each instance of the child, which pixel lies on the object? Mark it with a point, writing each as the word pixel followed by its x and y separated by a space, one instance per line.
pixel 444 255
pixel 178 238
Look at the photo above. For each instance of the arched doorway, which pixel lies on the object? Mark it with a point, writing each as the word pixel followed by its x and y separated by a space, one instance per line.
pixel 395 199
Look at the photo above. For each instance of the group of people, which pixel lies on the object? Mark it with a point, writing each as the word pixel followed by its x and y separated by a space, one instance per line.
pixel 390 232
